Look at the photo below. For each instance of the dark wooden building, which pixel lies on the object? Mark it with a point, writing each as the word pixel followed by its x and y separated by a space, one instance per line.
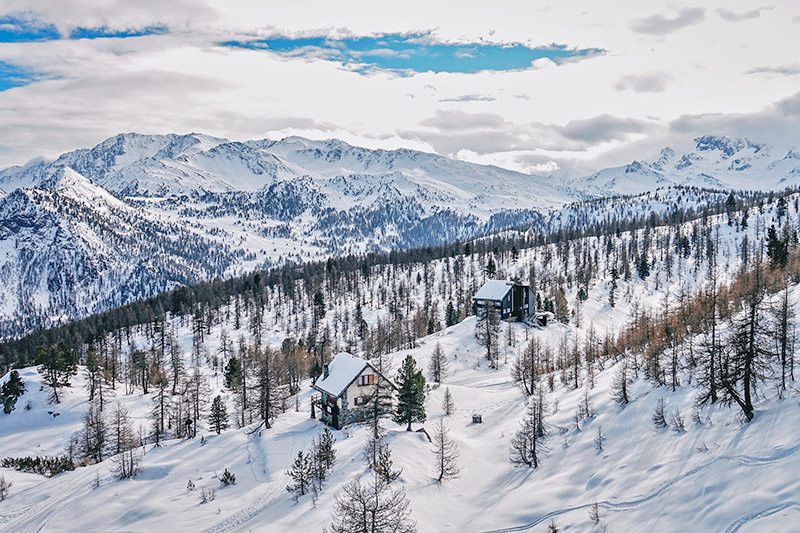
pixel 508 299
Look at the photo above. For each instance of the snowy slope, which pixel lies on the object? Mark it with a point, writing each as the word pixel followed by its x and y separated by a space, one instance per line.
pixel 716 162
pixel 718 475
pixel 644 479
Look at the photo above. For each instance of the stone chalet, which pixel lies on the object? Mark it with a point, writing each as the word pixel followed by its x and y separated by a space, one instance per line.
pixel 346 386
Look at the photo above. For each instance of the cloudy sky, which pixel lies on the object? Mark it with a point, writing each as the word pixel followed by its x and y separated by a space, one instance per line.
pixel 550 87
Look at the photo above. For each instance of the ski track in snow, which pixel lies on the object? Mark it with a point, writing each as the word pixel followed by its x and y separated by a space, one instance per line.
pixel 777 455
pixel 240 517
pixel 35 517
pixel 763 514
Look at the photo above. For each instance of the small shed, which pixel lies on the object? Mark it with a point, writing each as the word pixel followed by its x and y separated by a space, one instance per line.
pixel 477 418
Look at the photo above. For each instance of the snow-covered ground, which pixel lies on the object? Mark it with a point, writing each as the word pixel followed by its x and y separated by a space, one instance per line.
pixel 719 475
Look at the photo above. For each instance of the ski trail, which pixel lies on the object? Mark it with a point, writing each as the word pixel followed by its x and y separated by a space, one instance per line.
pixel 743 460
pixel 35 517
pixel 733 528
pixel 259 504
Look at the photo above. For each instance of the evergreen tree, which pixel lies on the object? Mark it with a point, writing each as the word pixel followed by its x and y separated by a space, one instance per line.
pixel 384 465
pixel 777 249
pixel 301 473
pixel 58 365
pixel 12 389
pixel 218 416
pixel 323 454
pixel 748 359
pixel 619 386
pixel 411 400
pixel 233 373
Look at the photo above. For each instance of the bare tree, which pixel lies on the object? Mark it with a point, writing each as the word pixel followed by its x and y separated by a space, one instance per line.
pixel 594 512
pixel 599 438
pixel 5 486
pixel 529 442
pixel 371 508
pixel 446 452
pixel 447 402
pixel 619 386
pixel 438 364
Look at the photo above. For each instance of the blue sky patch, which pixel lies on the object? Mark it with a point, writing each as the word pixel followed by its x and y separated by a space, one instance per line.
pixel 415 53
pixel 105 33
pixel 26 28
pixel 12 76
pixel 23 28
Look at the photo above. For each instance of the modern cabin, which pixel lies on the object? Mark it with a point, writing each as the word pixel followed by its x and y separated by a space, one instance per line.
pixel 348 388
pixel 509 300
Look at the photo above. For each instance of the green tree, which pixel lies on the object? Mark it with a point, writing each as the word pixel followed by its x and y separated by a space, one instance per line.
pixel 12 389
pixel 218 417
pixel 57 365
pixel 411 401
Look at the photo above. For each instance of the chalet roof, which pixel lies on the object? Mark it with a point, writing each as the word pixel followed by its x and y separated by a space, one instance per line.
pixel 341 372
pixel 494 289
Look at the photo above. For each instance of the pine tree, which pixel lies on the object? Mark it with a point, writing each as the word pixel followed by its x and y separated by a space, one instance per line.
pixel 58 365
pixel 438 364
pixel 446 452
pixel 384 465
pixel 301 473
pixel 748 359
pixel 659 416
pixel 323 454
pixel 447 402
pixel 411 398
pixel 12 389
pixel 218 417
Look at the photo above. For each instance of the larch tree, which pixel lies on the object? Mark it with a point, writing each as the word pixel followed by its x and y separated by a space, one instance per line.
pixel 438 364
pixel 447 402
pixel 374 507
pixel 446 452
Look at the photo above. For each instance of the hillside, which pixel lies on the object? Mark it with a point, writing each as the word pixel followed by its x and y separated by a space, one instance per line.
pixel 643 478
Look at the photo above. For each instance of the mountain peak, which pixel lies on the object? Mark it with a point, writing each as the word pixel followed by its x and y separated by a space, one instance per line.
pixel 727 145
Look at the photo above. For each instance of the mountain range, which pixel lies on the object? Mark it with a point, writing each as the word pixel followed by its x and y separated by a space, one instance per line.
pixel 138 214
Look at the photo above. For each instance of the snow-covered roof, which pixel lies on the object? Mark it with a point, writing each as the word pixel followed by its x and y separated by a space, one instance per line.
pixel 494 289
pixel 341 372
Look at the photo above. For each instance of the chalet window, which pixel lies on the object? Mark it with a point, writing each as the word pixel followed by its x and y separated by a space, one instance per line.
pixel 368 379
pixel 357 400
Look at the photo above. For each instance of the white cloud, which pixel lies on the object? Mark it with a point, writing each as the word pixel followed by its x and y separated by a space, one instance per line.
pixel 669 74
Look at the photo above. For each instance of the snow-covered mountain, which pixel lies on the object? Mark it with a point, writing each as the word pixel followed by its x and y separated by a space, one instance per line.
pixel 716 162
pixel 137 214
pixel 336 174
